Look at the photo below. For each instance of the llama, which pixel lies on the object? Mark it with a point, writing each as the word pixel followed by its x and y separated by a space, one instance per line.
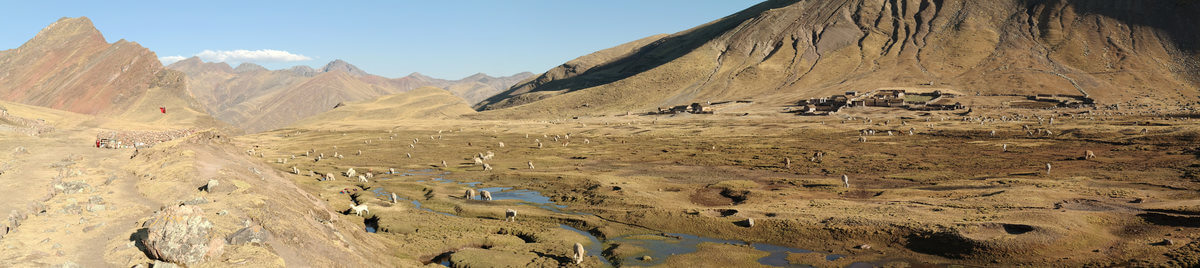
pixel 1089 155
pixel 485 195
pixel 470 194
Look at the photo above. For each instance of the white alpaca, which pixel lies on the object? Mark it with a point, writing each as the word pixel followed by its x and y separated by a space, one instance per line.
pixel 586 141
pixel 485 195
pixel 1089 155
pixel 360 209
pixel 486 167
pixel 391 171
pixel 530 164
pixel 579 253
pixel 845 181
pixel 749 222
pixel 362 178
pixel 470 194
pixel 330 177
pixel 502 144
pixel 1048 168
pixel 350 173
pixel 370 175
pixel 295 170
pixel 478 161
pixel 510 215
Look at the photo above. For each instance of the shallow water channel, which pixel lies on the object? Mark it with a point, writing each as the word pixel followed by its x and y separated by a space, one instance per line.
pixel 659 247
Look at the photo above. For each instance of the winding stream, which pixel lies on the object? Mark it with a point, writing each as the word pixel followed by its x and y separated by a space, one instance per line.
pixel 659 248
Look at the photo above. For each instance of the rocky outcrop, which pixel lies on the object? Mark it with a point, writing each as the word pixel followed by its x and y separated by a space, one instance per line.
pixel 249 235
pixel 181 235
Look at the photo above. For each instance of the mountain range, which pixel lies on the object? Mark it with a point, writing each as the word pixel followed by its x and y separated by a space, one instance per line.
pixel 781 51
pixel 255 99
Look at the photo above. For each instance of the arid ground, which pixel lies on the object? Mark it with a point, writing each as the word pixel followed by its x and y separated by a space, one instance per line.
pixel 951 192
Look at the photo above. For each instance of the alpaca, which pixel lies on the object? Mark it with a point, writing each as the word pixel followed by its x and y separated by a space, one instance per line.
pixel 359 210
pixel 485 195
pixel 470 194
pixel 510 215
pixel 579 253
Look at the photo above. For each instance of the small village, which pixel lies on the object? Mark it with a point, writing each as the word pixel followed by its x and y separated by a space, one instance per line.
pixel 936 100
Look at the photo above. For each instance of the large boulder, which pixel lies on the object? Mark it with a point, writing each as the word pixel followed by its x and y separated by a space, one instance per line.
pixel 181 235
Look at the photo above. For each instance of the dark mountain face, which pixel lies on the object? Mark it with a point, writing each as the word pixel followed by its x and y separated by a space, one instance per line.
pixel 781 51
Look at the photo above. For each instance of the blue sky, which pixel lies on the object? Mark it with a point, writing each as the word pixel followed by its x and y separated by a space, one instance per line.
pixel 444 39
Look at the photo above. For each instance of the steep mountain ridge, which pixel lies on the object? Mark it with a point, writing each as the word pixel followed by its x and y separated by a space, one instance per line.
pixel 778 52
pixel 69 66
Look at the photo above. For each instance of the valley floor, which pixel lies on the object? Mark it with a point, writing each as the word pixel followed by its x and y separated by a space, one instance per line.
pixel 685 190
pixel 951 192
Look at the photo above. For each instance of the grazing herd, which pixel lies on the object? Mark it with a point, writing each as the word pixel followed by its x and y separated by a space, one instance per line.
pixel 481 160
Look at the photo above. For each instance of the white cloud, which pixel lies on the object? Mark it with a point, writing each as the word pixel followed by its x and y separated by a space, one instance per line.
pixel 242 55
pixel 170 59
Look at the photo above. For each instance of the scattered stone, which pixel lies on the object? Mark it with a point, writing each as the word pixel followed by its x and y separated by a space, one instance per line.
pixel 1167 242
pixel 212 184
pixel 160 264
pixel 864 246
pixel 647 258
pixel 72 207
pixel 93 227
pixel 252 235
pixel 222 212
pixel 180 235
pixel 72 187
pixel 197 201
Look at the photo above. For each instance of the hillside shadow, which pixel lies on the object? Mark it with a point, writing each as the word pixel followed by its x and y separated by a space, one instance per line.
pixel 1177 19
pixel 645 58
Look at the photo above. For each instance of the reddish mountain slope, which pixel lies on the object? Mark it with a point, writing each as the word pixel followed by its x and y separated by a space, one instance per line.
pixel 70 66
